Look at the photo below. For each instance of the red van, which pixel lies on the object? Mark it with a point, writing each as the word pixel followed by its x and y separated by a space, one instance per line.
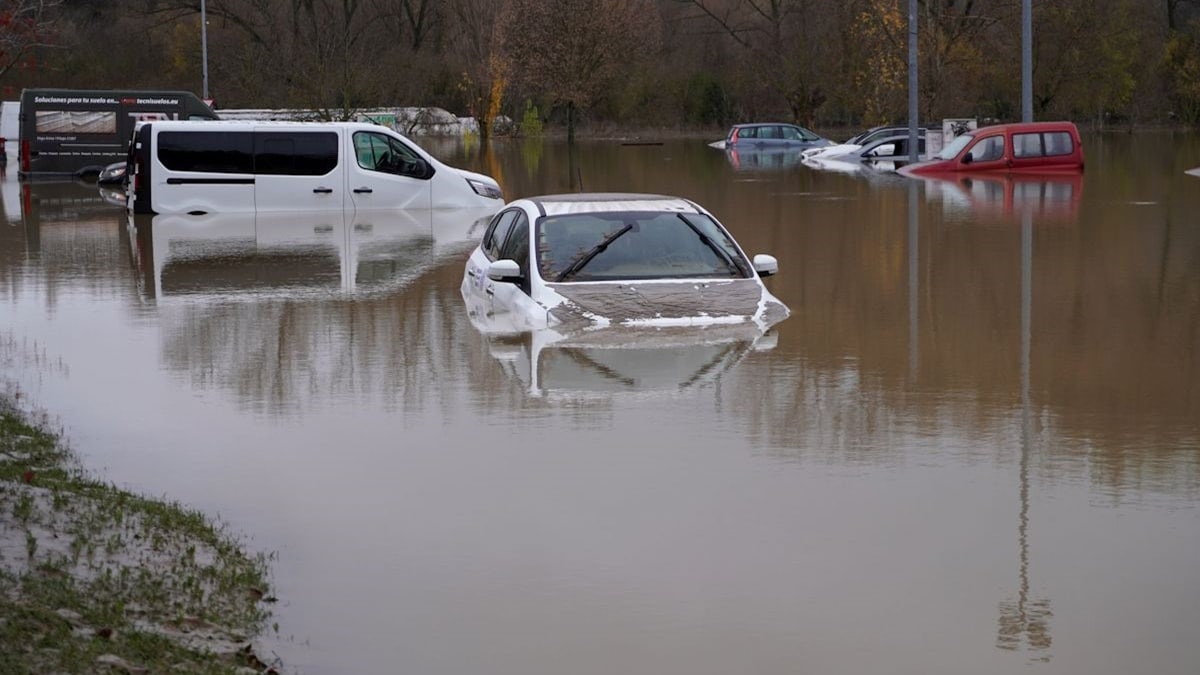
pixel 1030 147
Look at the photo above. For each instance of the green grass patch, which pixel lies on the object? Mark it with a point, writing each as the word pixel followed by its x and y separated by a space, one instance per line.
pixel 94 579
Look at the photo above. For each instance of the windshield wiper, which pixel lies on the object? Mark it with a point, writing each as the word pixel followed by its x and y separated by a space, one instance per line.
pixel 722 253
pixel 595 251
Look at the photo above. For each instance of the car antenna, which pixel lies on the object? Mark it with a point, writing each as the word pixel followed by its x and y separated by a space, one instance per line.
pixel 579 176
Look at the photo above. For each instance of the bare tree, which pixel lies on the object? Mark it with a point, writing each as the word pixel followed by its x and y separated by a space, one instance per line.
pixel 573 50
pixel 779 38
pixel 25 26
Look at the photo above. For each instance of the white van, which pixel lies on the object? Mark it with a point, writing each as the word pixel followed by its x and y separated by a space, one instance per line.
pixel 201 167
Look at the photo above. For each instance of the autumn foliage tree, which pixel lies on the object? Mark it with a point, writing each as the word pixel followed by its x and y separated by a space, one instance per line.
pixel 643 62
pixel 573 51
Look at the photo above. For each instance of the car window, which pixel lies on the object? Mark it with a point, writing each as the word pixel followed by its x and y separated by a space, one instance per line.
pixel 1058 143
pixel 516 248
pixel 380 152
pixel 955 146
pixel 497 233
pixel 988 149
pixel 883 150
pixel 772 132
pixel 792 134
pixel 1027 145
pixel 635 245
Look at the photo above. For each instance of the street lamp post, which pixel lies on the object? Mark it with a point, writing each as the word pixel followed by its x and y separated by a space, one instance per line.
pixel 913 101
pixel 1027 61
pixel 204 46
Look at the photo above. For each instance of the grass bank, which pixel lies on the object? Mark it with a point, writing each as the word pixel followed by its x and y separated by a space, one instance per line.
pixel 94 579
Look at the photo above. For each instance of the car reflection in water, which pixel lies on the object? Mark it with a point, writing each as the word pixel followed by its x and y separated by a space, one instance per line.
pixel 618 361
pixel 295 254
pixel 1048 197
pixel 764 159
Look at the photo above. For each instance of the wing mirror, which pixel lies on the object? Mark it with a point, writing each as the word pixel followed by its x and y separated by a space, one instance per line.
pixel 968 158
pixel 504 270
pixel 765 265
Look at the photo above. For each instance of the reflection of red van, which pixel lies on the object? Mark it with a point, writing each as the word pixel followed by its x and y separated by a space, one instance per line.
pixel 1051 196
pixel 1034 147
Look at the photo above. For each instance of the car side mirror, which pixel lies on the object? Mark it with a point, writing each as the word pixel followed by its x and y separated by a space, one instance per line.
pixel 504 270
pixel 765 265
pixel 968 158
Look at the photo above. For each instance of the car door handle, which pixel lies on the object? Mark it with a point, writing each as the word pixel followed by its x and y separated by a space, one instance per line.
pixel 363 190
pixel 489 290
pixel 322 190
pixel 471 273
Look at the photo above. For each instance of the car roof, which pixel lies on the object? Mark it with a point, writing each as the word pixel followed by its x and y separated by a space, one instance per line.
pixel 764 124
pixel 1017 127
pixel 607 202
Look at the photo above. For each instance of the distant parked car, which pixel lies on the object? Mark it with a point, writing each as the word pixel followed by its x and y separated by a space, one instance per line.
pixel 597 260
pixel 1030 147
pixel 865 138
pixel 892 148
pixel 772 135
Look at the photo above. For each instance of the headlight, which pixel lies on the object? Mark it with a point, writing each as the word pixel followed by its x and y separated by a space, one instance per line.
pixel 485 189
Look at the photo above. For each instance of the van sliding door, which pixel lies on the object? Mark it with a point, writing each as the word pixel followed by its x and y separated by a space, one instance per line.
pixel 201 172
pixel 298 170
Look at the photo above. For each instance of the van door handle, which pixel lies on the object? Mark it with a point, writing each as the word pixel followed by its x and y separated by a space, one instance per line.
pixel 363 190
pixel 322 190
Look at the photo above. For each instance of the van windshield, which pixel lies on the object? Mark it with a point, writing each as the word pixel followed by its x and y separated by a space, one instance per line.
pixel 951 151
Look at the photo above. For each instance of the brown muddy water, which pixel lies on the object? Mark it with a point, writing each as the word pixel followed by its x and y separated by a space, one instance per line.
pixel 974 447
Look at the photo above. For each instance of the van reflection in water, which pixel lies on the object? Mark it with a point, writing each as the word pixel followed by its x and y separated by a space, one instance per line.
pixel 296 254
pixel 1049 197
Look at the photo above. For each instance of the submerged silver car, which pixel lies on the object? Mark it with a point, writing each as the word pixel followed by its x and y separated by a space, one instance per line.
pixel 597 260
pixel 773 135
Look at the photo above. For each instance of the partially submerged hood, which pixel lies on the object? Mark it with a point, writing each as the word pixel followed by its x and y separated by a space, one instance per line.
pixel 666 303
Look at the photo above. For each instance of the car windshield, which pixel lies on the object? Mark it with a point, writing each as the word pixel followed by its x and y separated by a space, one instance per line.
pixel 951 151
pixel 635 245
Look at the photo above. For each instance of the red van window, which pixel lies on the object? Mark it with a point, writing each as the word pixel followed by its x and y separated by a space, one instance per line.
pixel 988 149
pixel 1027 145
pixel 1058 143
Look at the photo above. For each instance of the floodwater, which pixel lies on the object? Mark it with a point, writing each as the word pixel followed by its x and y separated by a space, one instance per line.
pixel 974 447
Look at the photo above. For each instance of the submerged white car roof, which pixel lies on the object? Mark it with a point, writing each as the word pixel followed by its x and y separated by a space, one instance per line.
pixel 601 202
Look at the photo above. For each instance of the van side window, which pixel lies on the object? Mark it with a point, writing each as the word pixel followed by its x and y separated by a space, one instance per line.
pixel 496 235
pixel 1058 143
pixel 1027 145
pixel 380 152
pixel 291 153
pixel 207 151
pixel 988 149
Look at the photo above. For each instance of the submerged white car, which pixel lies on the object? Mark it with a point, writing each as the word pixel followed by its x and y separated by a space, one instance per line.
pixel 596 260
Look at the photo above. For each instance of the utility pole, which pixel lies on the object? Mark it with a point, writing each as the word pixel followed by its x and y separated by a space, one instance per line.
pixel 1027 61
pixel 204 48
pixel 913 112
